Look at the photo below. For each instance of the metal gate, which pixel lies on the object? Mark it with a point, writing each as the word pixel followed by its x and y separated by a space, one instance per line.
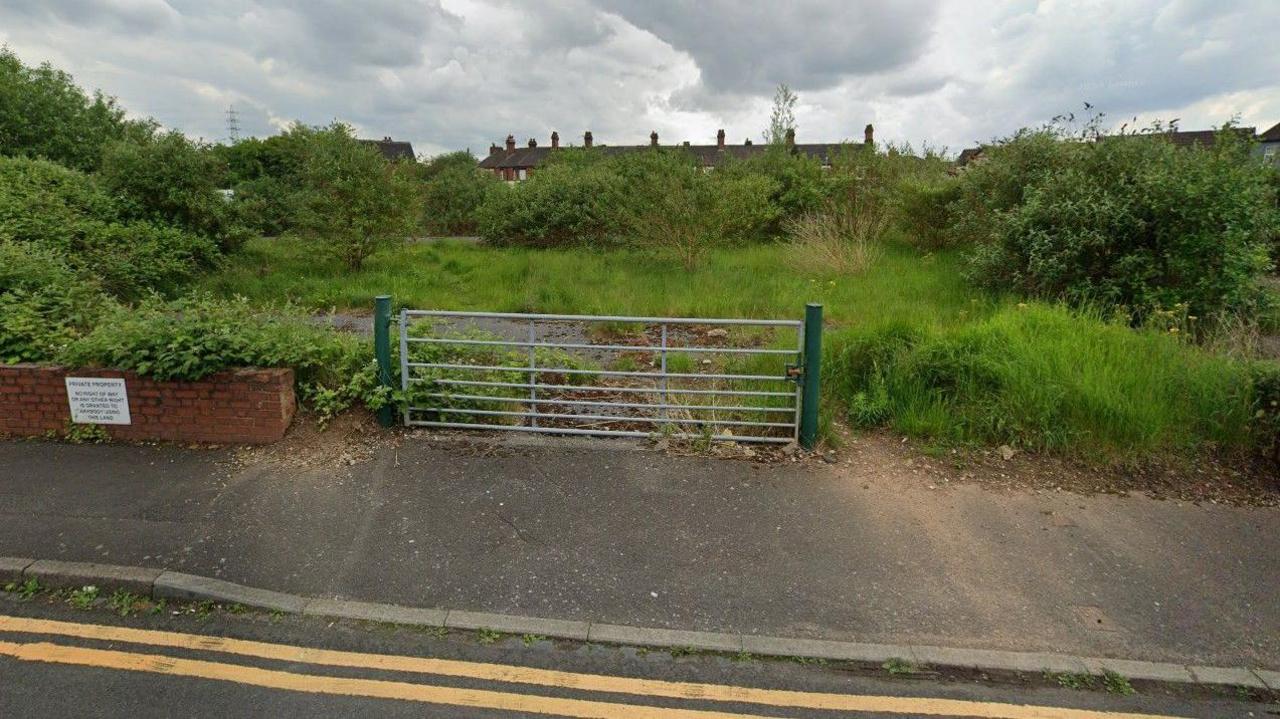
pixel 688 378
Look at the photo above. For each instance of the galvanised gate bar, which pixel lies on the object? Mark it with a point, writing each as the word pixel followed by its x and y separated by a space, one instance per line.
pixel 511 371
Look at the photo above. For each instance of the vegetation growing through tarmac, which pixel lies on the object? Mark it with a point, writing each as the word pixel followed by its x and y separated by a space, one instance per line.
pixel 1070 293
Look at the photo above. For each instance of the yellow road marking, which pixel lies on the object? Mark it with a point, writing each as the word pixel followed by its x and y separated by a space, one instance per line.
pixel 556 678
pixel 343 686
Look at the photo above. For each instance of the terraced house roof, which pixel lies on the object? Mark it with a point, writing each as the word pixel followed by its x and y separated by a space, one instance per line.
pixel 532 156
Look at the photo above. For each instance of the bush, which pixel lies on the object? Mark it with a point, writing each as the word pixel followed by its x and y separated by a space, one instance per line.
pixel 692 212
pixel 569 202
pixel 799 182
pixel 44 305
pixel 265 177
pixel 132 260
pixel 925 207
pixel 47 204
pixel 351 200
pixel 1042 377
pixel 1127 221
pixel 64 212
pixel 453 190
pixel 167 179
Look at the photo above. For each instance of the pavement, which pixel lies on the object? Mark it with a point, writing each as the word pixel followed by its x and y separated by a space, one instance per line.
pixel 612 534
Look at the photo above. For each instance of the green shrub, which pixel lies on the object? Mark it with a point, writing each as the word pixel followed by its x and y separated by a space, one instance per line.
pixel 192 337
pixel 45 206
pixel 264 174
pixel 1128 221
pixel 1042 377
pixel 168 179
pixel 134 259
pixel 453 190
pixel 924 210
pixel 798 182
pixel 44 305
pixel 564 203
pixel 693 212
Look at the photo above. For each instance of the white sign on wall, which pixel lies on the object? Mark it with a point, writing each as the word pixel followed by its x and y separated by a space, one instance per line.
pixel 98 400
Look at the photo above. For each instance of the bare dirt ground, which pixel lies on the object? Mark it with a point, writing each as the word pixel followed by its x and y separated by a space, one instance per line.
pixel 880 457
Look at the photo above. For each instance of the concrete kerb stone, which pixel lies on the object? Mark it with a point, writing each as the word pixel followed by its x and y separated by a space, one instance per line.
pixel 54 573
pixel 995 660
pixel 176 585
pixel 650 637
pixel 372 612
pixel 11 568
pixel 822 649
pixel 1149 671
pixel 1227 676
pixel 510 624
pixel 1271 679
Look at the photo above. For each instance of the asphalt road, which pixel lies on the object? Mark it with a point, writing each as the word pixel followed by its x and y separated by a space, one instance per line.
pixel 56 660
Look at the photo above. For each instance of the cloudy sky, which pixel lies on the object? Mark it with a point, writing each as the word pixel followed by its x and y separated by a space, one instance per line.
pixel 452 74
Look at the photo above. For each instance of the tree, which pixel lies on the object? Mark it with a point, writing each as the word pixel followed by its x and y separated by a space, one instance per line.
pixel 352 201
pixel 783 117
pixel 44 114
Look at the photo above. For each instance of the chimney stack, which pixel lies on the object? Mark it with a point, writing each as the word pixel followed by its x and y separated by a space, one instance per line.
pixel 748 143
pixel 511 143
pixel 868 134
pixel 493 148
pixel 791 137
pixel 555 139
pixel 653 139
pixel 720 139
pixel 533 142
pixel 586 138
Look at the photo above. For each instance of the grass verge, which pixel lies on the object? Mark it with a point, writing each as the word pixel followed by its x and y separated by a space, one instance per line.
pixel 1042 377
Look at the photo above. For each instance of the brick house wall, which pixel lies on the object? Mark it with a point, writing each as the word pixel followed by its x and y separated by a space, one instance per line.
pixel 242 406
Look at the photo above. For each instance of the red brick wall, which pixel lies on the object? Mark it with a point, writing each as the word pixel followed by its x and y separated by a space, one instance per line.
pixel 243 406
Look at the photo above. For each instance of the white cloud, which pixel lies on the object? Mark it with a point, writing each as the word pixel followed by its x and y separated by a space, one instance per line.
pixel 448 74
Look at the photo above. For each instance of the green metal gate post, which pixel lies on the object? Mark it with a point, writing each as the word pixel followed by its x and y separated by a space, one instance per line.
pixel 382 350
pixel 811 378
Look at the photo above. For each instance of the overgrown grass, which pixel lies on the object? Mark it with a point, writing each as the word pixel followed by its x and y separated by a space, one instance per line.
pixel 1043 377
pixel 755 281
pixel 911 345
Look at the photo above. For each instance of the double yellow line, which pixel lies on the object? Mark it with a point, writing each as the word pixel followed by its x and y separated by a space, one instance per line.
pixel 478 698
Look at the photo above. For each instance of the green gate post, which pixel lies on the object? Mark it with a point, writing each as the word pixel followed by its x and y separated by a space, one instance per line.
pixel 382 350
pixel 811 379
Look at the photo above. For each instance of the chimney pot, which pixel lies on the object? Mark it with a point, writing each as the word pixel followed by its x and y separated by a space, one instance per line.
pixel 868 134
pixel 493 148
pixel 791 137
pixel 511 143
pixel 386 138
pixel 748 142
pixel 533 142
pixel 720 139
pixel 555 139
pixel 653 138
pixel 586 138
